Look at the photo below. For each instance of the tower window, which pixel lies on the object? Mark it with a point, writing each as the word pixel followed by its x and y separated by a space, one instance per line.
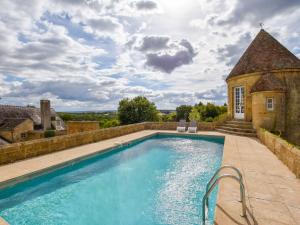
pixel 270 104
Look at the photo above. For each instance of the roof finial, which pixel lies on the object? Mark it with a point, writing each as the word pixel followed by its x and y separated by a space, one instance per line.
pixel 261 25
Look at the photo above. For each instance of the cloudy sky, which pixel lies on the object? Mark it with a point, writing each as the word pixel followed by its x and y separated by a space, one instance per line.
pixel 89 54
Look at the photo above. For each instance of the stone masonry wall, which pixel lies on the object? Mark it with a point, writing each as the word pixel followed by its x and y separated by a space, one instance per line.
pixel 38 134
pixel 81 126
pixel 291 121
pixel 24 127
pixel 286 152
pixel 292 124
pixel 247 81
pixel 15 134
pixel 261 117
pixel 18 151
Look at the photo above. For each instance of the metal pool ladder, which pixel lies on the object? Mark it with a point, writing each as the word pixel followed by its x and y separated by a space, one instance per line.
pixel 213 183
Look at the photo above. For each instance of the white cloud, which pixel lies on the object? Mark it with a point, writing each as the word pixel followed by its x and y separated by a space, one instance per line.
pixel 88 54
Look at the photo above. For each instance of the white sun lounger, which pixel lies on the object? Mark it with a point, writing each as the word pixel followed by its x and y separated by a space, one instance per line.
pixel 192 127
pixel 181 126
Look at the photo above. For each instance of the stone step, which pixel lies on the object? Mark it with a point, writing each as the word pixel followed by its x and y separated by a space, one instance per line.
pixel 242 122
pixel 236 133
pixel 237 129
pixel 246 126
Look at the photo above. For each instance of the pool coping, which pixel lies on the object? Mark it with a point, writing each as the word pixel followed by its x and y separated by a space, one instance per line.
pixel 228 208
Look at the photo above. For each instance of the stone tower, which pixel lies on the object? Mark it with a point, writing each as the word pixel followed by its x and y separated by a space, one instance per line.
pixel 45 114
pixel 264 87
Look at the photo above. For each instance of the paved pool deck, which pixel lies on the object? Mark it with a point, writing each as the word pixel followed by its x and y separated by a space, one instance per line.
pixel 272 191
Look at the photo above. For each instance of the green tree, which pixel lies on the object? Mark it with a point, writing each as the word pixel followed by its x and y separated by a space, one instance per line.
pixel 194 115
pixel 200 104
pixel 183 112
pixel 110 123
pixel 136 110
pixel 169 117
pixel 210 110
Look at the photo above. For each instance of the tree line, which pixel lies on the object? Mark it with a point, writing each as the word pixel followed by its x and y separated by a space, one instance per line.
pixel 140 109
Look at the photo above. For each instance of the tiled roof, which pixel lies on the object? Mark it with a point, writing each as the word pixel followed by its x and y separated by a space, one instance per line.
pixel 11 111
pixel 265 53
pixel 11 123
pixel 268 82
pixel 21 112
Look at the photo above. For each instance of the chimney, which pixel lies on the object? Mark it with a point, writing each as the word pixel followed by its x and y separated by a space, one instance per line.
pixel 45 114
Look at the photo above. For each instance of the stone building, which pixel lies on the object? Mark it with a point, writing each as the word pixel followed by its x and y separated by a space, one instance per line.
pixel 23 120
pixel 15 129
pixel 264 87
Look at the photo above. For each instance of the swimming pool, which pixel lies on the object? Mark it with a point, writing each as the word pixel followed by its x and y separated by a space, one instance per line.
pixel 157 180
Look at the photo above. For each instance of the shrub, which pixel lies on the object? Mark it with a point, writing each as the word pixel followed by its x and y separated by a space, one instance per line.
pixel 110 123
pixel 169 117
pixel 209 119
pixel 221 118
pixel 210 110
pixel 49 133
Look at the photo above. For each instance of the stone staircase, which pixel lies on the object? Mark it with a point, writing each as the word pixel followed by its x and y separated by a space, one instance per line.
pixel 237 127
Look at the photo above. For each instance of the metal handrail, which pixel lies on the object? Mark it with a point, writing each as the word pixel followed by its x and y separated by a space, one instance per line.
pixel 217 172
pixel 242 188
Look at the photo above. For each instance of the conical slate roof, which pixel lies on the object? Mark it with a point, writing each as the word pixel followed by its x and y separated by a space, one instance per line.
pixel 265 53
pixel 268 82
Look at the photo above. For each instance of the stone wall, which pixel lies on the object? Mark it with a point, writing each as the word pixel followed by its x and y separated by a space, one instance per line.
pixel 247 81
pixel 262 117
pixel 7 135
pixel 292 118
pixel 289 154
pixel 22 128
pixel 38 134
pixel 81 126
pixel 15 135
pixel 290 121
pixel 18 151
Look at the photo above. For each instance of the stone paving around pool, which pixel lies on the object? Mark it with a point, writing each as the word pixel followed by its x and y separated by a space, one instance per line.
pixel 272 191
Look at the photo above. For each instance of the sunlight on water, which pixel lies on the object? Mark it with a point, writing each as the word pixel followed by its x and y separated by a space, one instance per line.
pixel 177 203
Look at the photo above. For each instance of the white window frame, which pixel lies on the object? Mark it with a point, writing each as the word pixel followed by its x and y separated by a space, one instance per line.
pixel 272 103
pixel 239 105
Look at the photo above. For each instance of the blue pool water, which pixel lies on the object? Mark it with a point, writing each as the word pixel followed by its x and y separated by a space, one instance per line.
pixel 158 180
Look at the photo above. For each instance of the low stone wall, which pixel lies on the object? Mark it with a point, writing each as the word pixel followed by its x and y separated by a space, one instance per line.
pixel 38 134
pixel 81 126
pixel 286 152
pixel 18 151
